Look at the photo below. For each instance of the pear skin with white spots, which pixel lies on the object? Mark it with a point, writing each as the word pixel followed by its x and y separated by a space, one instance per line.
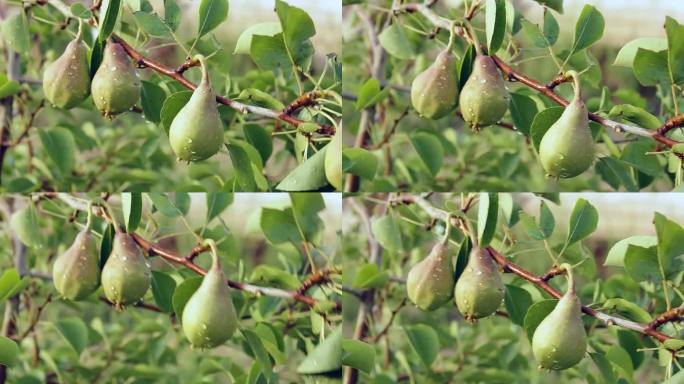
pixel 76 272
pixel 560 341
pixel 430 283
pixel 434 92
pixel 116 86
pixel 66 81
pixel 126 274
pixel 484 98
pixel 479 290
pixel 196 133
pixel 209 317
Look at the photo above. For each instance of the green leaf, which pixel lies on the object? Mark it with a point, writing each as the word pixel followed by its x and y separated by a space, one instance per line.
pixel 589 28
pixel 106 244
pixel 243 168
pixel 369 276
pixel 297 27
pixel 75 333
pixel 25 225
pixel 152 98
pixel 259 351
pixel 260 139
pixel 244 42
pixel 171 106
pixel 487 215
pixel 308 176
pixel 211 14
pixel 387 233
pixel 326 357
pixel 279 226
pixel 542 122
pixel 182 294
pixel 641 264
pixel 217 203
pixel 583 221
pixel 8 281
pixel 670 236
pixel 546 220
pixel 616 173
pixel 163 204
pixel 163 287
pixel 626 55
pixel 628 309
pixel 172 14
pixel 8 87
pixel 359 162
pixel 495 24
pixel 9 352
pixel 536 313
pixel 675 51
pixel 604 367
pixel 131 204
pixel 523 110
pixel 359 355
pixel 370 94
pixel 424 341
pixel 152 24
pixel 79 11
pixel 616 255
pixel 551 28
pixel 109 13
pixel 651 68
pixel 15 33
pixel 305 209
pixel 556 5
pixel 517 301
pixel 430 151
pixel 395 41
pixel 60 146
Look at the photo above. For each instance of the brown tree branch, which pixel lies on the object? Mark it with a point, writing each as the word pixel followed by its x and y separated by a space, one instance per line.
pixel 243 108
pixel 320 277
pixel 153 249
pixel 674 314
pixel 675 122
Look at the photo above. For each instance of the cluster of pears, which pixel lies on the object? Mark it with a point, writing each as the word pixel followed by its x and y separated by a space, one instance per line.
pixel 478 292
pixel 483 99
pixel 115 86
pixel 125 277
pixel 560 341
pixel 209 317
pixel 567 148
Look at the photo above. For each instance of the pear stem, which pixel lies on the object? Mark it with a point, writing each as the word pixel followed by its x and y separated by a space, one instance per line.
pixel 452 38
pixel 447 229
pixel 576 84
pixel 205 72
pixel 214 253
pixel 473 36
pixel 89 220
pixel 79 34
pixel 571 278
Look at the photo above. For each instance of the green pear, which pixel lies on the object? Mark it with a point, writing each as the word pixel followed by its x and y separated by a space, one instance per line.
pixel 209 317
pixel 115 86
pixel 333 160
pixel 567 148
pixel 66 81
pixel 196 133
pixel 484 98
pixel 560 341
pixel 76 272
pixel 434 92
pixel 430 283
pixel 126 274
pixel 479 290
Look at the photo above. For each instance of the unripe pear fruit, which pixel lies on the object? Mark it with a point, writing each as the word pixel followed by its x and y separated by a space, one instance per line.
pixel 116 86
pixel 430 283
pixel 560 341
pixel 209 317
pixel 196 133
pixel 76 272
pixel 126 274
pixel 434 92
pixel 567 148
pixel 484 98
pixel 479 290
pixel 66 81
